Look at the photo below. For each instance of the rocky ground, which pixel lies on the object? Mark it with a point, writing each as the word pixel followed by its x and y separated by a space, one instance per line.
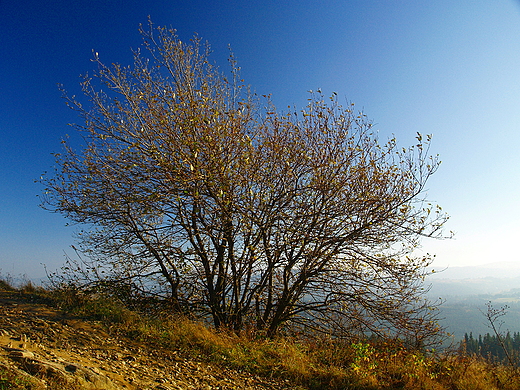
pixel 50 349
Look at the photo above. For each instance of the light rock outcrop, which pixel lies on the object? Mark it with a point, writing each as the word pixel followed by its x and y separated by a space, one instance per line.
pixel 40 345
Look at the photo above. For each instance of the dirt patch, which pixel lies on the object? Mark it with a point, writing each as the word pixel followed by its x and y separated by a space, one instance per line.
pixel 43 345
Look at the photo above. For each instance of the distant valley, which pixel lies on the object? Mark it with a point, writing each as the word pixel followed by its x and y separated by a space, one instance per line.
pixel 466 290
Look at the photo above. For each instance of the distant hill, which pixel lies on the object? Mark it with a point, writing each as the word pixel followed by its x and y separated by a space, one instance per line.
pixel 504 269
pixel 466 290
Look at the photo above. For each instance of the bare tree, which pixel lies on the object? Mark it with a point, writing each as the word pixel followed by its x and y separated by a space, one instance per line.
pixel 493 317
pixel 192 190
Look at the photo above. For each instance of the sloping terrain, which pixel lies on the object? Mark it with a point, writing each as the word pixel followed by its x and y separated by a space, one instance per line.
pixel 45 348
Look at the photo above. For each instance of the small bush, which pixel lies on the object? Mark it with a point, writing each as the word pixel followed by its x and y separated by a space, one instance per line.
pixel 6 283
pixel 12 380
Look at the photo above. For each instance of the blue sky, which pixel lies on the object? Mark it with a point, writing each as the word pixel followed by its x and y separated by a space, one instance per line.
pixel 449 68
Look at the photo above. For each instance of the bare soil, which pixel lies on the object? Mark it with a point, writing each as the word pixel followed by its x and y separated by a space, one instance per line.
pixel 48 349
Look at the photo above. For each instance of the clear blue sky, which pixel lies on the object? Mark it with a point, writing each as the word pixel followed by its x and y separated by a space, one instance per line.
pixel 449 68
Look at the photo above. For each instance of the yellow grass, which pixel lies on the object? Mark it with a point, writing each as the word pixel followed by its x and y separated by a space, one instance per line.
pixel 317 364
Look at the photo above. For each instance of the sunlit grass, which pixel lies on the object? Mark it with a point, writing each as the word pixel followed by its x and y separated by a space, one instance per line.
pixel 10 380
pixel 311 364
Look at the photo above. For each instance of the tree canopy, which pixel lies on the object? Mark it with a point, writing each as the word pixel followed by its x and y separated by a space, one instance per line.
pixel 193 189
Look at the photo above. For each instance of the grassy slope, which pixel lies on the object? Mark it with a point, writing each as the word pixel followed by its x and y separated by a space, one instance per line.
pixel 321 364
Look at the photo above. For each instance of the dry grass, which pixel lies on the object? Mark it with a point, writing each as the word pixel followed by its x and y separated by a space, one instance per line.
pixel 325 364
pixel 12 380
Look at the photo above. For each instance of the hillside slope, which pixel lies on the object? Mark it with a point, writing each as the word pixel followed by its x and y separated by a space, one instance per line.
pixel 45 348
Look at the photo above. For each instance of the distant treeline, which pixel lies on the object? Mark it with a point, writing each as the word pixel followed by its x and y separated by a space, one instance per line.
pixel 492 348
